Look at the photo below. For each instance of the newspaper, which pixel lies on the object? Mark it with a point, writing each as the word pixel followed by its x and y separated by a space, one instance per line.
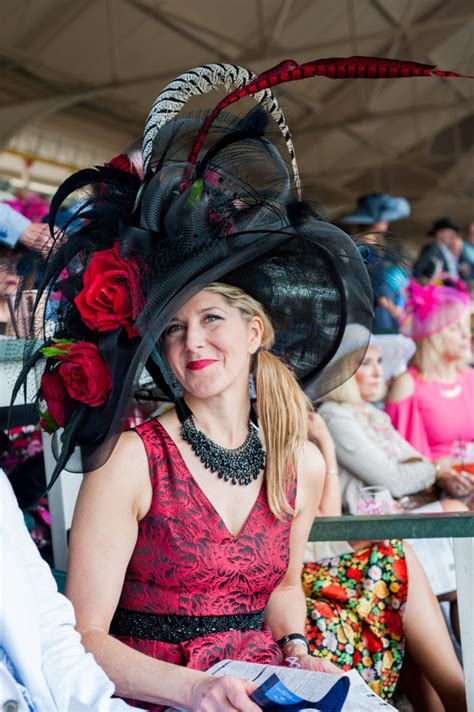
pixel 319 690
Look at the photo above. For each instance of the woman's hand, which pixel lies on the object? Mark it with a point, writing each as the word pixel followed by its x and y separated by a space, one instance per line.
pixel 310 662
pixel 319 433
pixel 37 237
pixel 223 694
pixel 296 656
pixel 455 483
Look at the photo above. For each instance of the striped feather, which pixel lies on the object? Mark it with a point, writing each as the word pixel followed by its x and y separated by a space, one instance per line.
pixel 201 80
pixel 334 68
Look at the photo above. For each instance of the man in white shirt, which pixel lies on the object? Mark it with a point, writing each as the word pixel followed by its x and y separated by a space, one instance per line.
pixel 43 666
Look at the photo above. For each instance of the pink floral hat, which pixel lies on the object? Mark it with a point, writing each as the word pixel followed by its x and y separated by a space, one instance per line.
pixel 431 308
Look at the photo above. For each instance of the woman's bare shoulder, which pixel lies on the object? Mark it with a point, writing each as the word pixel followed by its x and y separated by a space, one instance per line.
pixel 129 447
pixel 125 473
pixel 402 388
pixel 311 466
pixel 311 474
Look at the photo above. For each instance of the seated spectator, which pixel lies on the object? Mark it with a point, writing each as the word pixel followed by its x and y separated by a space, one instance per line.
pixel 396 350
pixel 368 601
pixel 372 216
pixel 431 405
pixel 437 259
pixel 182 273
pixel 43 666
pixel 466 260
pixel 371 452
pixel 369 449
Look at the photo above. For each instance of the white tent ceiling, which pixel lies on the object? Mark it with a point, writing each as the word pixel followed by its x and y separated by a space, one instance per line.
pixel 77 78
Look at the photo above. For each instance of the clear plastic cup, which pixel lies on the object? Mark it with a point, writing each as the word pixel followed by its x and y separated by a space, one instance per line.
pixel 375 500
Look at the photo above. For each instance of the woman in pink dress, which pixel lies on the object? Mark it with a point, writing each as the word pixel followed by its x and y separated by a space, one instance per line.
pixel 432 404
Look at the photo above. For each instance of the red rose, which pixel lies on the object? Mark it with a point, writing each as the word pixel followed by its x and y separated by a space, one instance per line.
pixel 52 389
pixel 112 292
pixel 85 374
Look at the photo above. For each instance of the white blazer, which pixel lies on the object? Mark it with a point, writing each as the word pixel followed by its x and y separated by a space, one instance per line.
pixel 37 628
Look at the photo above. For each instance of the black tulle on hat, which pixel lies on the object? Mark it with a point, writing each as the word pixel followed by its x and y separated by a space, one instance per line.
pixel 214 205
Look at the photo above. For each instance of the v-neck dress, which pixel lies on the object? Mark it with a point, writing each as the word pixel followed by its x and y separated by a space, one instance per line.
pixel 187 563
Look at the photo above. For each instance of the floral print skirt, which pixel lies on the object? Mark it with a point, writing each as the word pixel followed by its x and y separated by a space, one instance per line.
pixel 355 612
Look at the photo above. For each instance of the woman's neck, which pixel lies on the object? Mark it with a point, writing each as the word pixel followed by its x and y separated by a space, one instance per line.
pixel 444 370
pixel 223 418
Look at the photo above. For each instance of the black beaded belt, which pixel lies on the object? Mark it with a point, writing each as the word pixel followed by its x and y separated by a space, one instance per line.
pixel 175 629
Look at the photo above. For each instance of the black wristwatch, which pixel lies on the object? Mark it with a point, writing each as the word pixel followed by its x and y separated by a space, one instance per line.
pixel 292 637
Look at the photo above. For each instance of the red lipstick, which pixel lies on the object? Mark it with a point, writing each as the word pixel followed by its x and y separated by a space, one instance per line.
pixel 198 365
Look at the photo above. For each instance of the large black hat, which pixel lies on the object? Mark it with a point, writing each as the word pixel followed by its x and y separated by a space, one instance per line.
pixel 216 203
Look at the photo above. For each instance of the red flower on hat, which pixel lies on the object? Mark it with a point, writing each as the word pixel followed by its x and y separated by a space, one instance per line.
pixel 52 389
pixel 82 374
pixel 112 292
pixel 85 374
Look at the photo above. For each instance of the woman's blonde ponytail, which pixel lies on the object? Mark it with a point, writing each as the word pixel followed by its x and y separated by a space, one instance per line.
pixel 283 415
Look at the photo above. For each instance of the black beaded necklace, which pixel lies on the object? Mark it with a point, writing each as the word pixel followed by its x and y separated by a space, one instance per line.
pixel 240 466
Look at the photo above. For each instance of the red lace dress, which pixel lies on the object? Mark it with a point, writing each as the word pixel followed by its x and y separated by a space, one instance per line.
pixel 186 563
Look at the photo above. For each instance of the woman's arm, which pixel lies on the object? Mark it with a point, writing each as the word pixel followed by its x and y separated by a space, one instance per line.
pixel 361 456
pixel 111 502
pixel 403 387
pixel 286 609
pixel 318 432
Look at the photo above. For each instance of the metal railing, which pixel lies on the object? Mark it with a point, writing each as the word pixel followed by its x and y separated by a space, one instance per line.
pixel 393 526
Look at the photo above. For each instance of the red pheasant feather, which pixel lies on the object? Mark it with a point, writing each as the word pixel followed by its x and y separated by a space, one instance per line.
pixel 333 68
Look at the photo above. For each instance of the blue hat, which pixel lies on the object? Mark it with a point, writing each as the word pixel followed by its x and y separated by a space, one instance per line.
pixel 378 207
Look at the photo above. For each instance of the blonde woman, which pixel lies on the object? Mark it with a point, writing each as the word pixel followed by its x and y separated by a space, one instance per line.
pixel 188 537
pixel 432 404
pixel 371 451
pixel 155 531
